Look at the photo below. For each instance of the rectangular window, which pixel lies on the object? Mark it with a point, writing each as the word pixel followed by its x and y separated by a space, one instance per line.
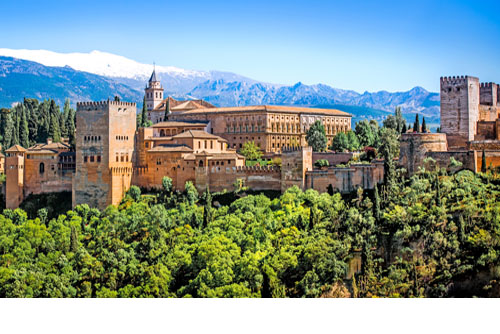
pixel 98 158
pixel 91 158
pixel 85 159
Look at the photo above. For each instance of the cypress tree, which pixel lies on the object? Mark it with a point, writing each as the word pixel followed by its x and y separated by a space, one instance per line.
pixel 70 126
pixel 404 128
pixel 8 126
pixel 54 130
pixel 144 114
pixel 416 125
pixel 16 120
pixel 483 162
pixel 377 204
pixel 64 119
pixel 44 122
pixel 74 239
pixel 207 217
pixel 438 191
pixel 167 109
pixel 424 126
pixel 24 139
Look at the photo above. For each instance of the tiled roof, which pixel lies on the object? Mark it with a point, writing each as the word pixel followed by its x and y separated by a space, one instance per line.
pixel 171 148
pixel 269 108
pixel 175 105
pixel 196 134
pixel 16 148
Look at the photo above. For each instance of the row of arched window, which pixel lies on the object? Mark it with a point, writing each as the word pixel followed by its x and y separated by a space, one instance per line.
pixel 91 138
pixel 121 137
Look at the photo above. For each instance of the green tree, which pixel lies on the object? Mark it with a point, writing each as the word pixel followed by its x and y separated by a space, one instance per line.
pixel 352 140
pixel 144 114
pixel 135 193
pixel 483 162
pixel 424 126
pixel 251 151
pixel 23 129
pixel 416 125
pixel 167 109
pixel 365 133
pixel 340 142
pixel 54 131
pixel 316 137
pixel 191 193
pixel 64 119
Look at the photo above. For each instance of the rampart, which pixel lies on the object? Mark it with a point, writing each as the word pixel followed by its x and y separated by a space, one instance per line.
pixel 415 147
pixel 346 179
pixel 334 158
pixel 220 178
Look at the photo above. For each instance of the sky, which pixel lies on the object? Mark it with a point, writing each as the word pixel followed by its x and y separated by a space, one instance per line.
pixel 359 45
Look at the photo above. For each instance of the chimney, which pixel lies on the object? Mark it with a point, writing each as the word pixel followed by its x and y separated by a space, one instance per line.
pixel 49 140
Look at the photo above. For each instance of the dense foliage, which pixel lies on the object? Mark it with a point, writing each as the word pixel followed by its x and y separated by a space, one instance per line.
pixel 316 137
pixel 33 122
pixel 432 235
pixel 251 151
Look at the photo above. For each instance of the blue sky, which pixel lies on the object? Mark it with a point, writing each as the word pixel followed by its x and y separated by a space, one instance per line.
pixel 370 45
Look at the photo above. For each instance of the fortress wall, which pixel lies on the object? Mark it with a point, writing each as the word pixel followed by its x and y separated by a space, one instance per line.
pixel 467 158
pixel 346 179
pixel 492 159
pixel 333 158
pixel 220 178
pixel 51 180
pixel 415 146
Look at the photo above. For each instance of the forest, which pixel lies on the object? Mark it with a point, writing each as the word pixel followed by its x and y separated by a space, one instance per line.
pixel 433 235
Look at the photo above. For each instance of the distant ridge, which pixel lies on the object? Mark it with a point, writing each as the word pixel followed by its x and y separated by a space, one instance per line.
pixel 97 75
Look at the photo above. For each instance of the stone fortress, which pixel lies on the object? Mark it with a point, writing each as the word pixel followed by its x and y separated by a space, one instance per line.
pixel 470 125
pixel 189 141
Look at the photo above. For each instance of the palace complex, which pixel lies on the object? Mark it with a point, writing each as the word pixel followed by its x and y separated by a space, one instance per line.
pixel 470 128
pixel 188 141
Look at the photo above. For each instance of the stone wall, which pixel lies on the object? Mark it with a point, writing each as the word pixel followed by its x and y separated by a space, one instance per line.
pixel 486 130
pixel 346 179
pixel 333 158
pixel 51 180
pixel 488 93
pixel 467 158
pixel 492 159
pixel 294 165
pixel 415 146
pixel 223 178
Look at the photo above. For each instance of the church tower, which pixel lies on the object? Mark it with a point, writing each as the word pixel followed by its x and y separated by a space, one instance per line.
pixel 154 93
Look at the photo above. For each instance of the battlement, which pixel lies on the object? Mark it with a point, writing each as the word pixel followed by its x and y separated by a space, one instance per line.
pixel 296 149
pixel 457 79
pixel 488 84
pixel 97 104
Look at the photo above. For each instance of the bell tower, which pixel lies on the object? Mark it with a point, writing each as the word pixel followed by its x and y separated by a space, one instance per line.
pixel 154 92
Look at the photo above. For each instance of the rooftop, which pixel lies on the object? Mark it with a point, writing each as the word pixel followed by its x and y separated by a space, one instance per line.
pixel 197 134
pixel 16 148
pixel 171 148
pixel 179 123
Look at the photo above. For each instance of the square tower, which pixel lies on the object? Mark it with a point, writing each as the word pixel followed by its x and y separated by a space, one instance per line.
pixel 105 143
pixel 459 109
pixel 14 172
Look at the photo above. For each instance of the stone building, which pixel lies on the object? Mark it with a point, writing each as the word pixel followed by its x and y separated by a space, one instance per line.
pixel 272 128
pixel 470 124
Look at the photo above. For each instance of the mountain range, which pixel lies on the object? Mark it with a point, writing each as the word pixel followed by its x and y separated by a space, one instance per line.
pixel 99 75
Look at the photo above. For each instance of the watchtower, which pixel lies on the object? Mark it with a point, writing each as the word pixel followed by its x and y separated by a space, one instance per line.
pixel 154 92
pixel 14 170
pixel 295 162
pixel 459 109
pixel 105 146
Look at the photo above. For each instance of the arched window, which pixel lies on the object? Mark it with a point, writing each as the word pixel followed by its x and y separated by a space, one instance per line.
pixel 42 168
pixel 201 163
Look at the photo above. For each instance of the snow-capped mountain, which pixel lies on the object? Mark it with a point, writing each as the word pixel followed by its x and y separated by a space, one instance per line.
pixel 127 78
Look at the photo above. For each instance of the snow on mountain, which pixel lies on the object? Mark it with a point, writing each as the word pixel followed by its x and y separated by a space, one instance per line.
pixel 224 88
pixel 101 63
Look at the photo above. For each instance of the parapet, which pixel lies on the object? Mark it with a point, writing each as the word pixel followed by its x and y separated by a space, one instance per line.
pixel 296 149
pixel 100 104
pixel 457 79
pixel 488 84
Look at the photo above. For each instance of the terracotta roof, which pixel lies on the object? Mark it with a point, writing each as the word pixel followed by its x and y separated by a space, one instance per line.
pixel 179 123
pixel 41 151
pixel 175 103
pixel 16 148
pixel 269 108
pixel 170 148
pixel 196 134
